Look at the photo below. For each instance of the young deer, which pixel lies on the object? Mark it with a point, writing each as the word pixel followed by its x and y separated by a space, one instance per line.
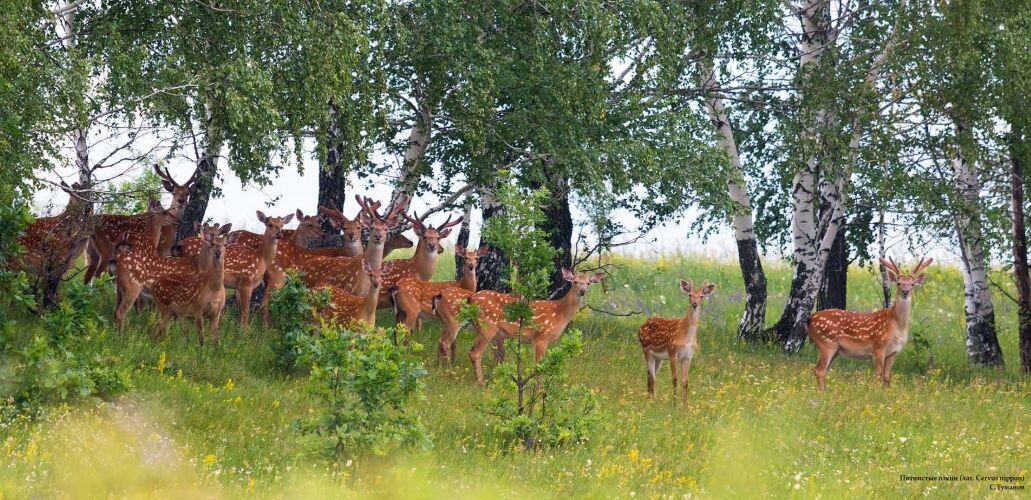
pixel 413 297
pixel 200 294
pixel 108 229
pixel 424 262
pixel 550 317
pixel 674 339
pixel 136 263
pixel 244 265
pixel 879 334
pixel 346 273
pixel 346 308
pixel 46 236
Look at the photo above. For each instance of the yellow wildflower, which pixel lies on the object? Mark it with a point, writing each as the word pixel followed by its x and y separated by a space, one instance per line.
pixel 161 362
pixel 209 459
pixel 275 403
pixel 633 454
pixel 229 384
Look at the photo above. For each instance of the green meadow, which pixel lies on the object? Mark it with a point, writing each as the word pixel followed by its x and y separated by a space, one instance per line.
pixel 219 421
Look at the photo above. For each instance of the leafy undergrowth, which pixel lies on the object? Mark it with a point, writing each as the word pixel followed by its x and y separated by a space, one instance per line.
pixel 222 421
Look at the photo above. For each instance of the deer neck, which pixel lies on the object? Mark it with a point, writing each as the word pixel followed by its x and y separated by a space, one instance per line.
pixel 689 325
pixel 425 262
pixel 269 246
pixel 468 280
pixel 371 303
pixel 153 232
pixel 901 310
pixel 569 303
pixel 351 247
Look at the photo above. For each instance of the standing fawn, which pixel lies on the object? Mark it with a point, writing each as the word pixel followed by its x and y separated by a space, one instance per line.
pixel 413 298
pixel 47 237
pixel 424 262
pixel 674 339
pixel 136 263
pixel 550 318
pixel 346 308
pixel 879 334
pixel 200 294
pixel 108 229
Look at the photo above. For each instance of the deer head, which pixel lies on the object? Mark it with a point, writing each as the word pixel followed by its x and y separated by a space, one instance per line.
pixel 581 281
pixel 906 281
pixel 428 235
pixel 180 192
pixel 308 228
pixel 696 295
pixel 274 225
pixel 351 229
pixel 471 257
pixel 375 273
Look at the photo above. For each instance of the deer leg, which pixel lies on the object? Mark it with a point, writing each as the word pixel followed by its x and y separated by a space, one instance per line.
pixel 214 322
pixel 445 343
pixel 162 327
pixel 539 348
pixel 650 366
pixel 200 329
pixel 499 349
pixel 878 364
pixel 128 296
pixel 823 363
pixel 92 262
pixel 685 368
pixel 243 301
pixel 673 369
pixel 476 353
pixel 886 373
pixel 273 280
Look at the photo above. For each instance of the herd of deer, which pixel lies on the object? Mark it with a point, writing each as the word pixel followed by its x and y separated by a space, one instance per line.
pixel 190 277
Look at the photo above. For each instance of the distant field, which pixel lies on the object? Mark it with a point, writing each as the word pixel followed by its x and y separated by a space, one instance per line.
pixel 217 422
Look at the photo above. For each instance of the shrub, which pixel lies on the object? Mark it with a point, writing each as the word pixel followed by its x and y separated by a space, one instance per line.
pixel 363 383
pixel 291 308
pixel 64 361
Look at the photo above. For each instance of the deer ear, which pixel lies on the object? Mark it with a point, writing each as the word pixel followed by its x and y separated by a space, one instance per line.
pixel 919 279
pixel 892 277
pixel 597 277
pixel 568 275
pixel 300 214
pixel 445 233
pixel 232 238
pixel 484 250
pixel 168 186
pixel 288 218
pixel 261 216
pixel 440 248
pixel 459 249
pixel 685 285
pixel 225 229
pixel 708 288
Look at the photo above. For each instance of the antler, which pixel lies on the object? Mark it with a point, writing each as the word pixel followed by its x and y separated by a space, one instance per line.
pixel 924 262
pixel 368 206
pixel 396 209
pixel 891 265
pixel 414 220
pixel 332 213
pixel 164 175
pixel 448 224
pixel 193 178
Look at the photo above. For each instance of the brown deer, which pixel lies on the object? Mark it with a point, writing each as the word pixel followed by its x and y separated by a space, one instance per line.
pixel 346 308
pixel 424 262
pixel 46 236
pixel 674 339
pixel 244 265
pixel 879 334
pixel 413 298
pixel 108 229
pixel 346 273
pixel 200 294
pixel 550 318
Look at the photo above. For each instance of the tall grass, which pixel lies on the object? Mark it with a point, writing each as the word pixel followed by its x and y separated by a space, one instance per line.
pixel 218 421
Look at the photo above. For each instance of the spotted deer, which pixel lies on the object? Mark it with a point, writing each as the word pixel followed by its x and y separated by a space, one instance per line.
pixel 346 273
pixel 550 318
pixel 346 308
pixel 674 339
pixel 46 236
pixel 413 298
pixel 879 334
pixel 108 229
pixel 351 234
pixel 244 265
pixel 199 294
pixel 424 262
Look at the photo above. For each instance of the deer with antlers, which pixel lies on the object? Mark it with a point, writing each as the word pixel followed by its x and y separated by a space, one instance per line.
pixel 351 234
pixel 550 317
pixel 674 339
pixel 199 294
pixel 413 298
pixel 46 236
pixel 347 308
pixel 424 262
pixel 108 229
pixel 245 265
pixel 346 273
pixel 879 334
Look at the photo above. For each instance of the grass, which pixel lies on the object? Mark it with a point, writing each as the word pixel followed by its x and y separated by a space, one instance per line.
pixel 217 422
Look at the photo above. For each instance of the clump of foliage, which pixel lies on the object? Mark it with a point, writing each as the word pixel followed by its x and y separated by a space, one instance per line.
pixel 363 382
pixel 65 359
pixel 131 196
pixel 291 308
pixel 536 406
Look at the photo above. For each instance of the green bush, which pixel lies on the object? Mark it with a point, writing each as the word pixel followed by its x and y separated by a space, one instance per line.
pixel 363 383
pixel 291 308
pixel 65 360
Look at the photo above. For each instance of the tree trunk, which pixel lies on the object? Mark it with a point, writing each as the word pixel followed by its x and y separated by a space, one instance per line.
pixel 1020 269
pixel 207 169
pixel 332 175
pixel 754 316
pixel 491 267
pixel 885 285
pixel 559 226
pixel 463 240
pixel 982 342
pixel 833 288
